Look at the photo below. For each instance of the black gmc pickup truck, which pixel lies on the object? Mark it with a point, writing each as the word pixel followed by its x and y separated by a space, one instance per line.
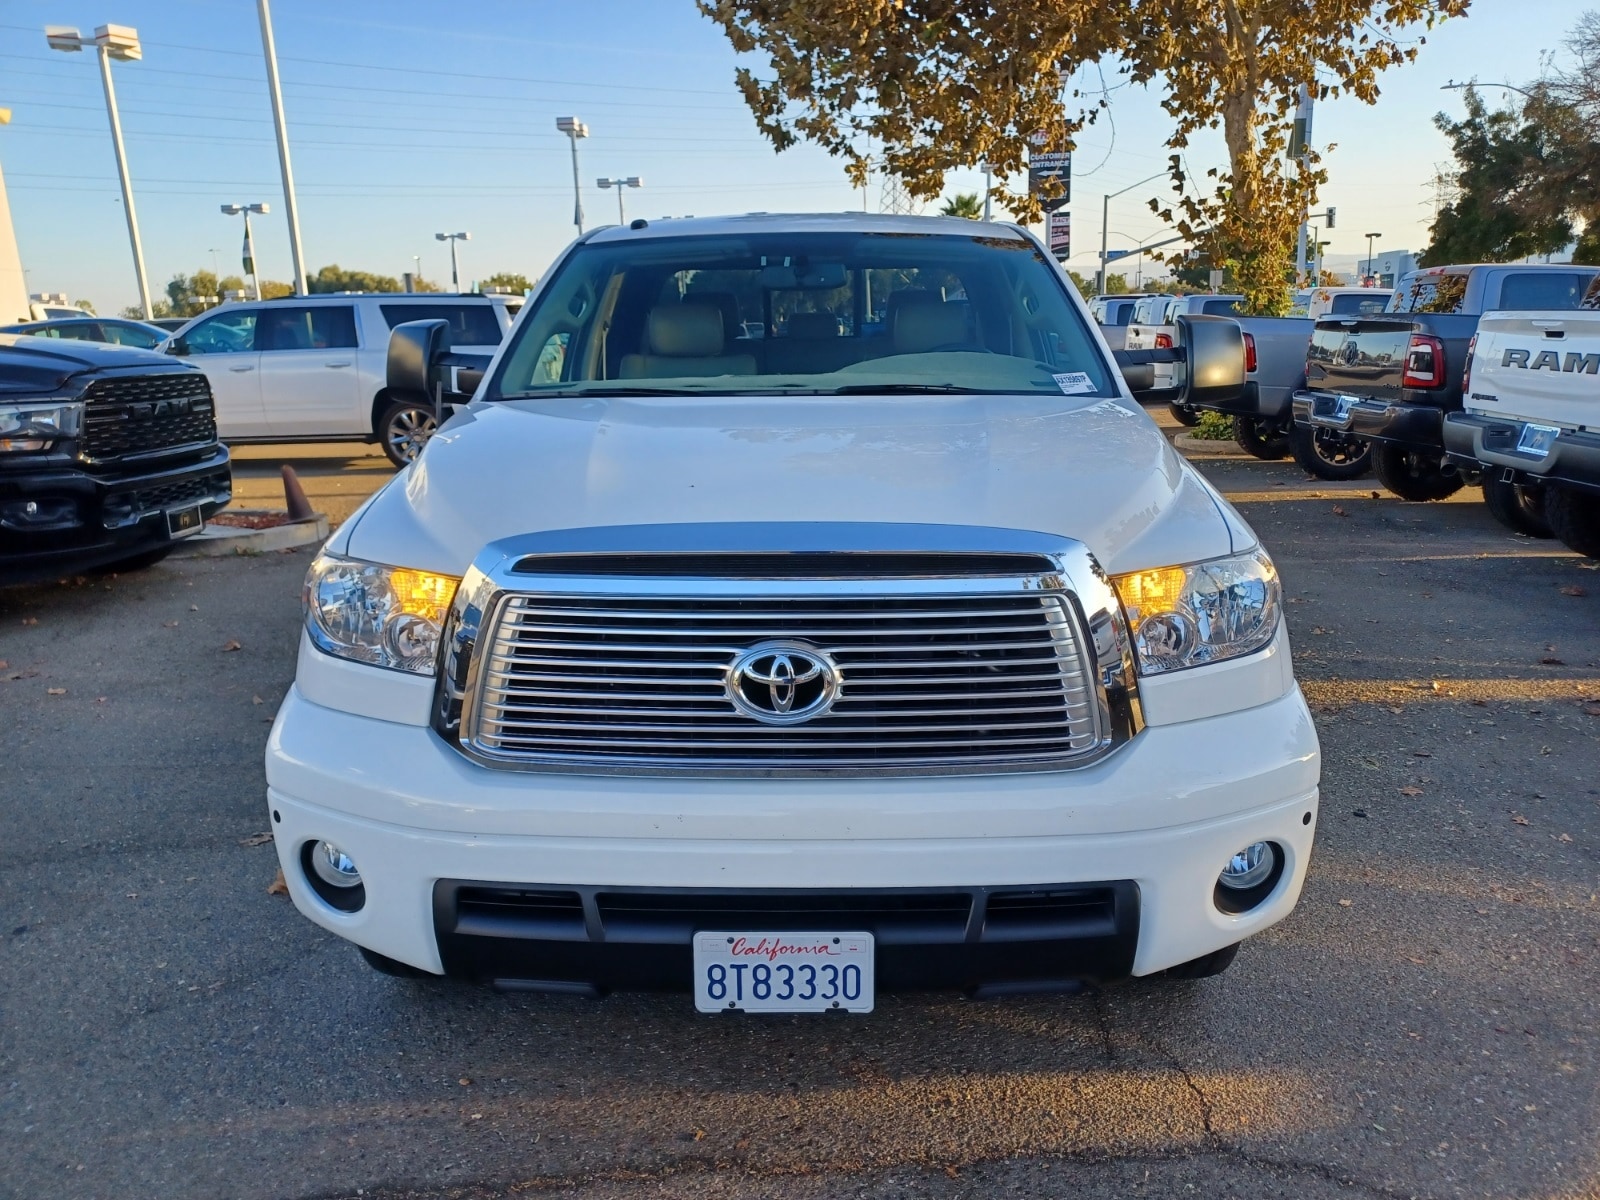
pixel 108 457
pixel 1390 379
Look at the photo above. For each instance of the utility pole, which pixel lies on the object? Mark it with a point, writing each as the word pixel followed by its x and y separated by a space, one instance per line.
pixel 1371 237
pixel 291 209
pixel 1300 147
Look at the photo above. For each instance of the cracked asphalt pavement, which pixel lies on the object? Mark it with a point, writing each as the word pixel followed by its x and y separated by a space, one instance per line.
pixel 1427 1022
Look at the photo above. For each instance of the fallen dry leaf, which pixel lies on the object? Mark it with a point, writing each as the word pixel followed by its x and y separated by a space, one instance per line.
pixel 56 691
pixel 230 644
pixel 1519 819
pixel 1377 495
pixel 279 885
pixel 1563 837
pixel 1411 791
pixel 1346 903
pixel 464 1081
pixel 3 664
pixel 1422 754
pixel 194 608
pixel 1339 512
pixel 257 700
pixel 170 624
pixel 1572 589
pixel 256 839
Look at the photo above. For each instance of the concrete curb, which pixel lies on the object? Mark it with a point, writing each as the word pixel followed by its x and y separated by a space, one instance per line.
pixel 222 541
pixel 1187 443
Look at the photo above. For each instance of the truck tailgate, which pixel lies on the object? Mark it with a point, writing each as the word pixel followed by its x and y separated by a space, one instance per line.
pixel 1358 357
pixel 1539 366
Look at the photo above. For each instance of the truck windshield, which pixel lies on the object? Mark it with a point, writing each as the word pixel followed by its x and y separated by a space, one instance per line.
pixel 803 313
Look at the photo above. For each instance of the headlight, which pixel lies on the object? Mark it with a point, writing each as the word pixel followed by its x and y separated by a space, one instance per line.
pixel 1204 613
pixel 386 616
pixel 34 426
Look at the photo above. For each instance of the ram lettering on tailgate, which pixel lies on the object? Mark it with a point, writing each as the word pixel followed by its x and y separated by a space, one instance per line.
pixel 1549 360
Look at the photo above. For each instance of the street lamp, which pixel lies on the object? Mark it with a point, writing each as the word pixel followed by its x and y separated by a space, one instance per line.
pixel 121 43
pixel 453 238
pixel 1105 217
pixel 988 184
pixel 574 129
pixel 1371 237
pixel 632 181
pixel 1453 86
pixel 249 255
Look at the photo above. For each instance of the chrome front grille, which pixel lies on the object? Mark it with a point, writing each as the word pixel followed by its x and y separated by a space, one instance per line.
pixel 989 675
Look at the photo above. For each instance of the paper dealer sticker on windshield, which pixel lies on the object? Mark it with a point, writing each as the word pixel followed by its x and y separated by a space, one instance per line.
pixel 1074 383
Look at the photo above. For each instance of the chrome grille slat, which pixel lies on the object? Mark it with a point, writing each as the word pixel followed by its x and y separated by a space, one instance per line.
pixel 987 676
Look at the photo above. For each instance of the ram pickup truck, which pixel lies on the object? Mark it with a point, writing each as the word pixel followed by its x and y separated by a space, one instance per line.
pixel 892 648
pixel 108 457
pixel 1114 314
pixel 1531 421
pixel 1391 378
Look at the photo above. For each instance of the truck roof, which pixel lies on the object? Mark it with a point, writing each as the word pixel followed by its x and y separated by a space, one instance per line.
pixel 838 222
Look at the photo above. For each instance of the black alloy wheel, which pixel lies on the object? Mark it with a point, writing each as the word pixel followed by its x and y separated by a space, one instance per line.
pixel 1517 506
pixel 1416 475
pixel 1266 440
pixel 1330 453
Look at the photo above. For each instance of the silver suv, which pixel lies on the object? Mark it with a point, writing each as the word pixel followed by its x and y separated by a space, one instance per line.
pixel 312 368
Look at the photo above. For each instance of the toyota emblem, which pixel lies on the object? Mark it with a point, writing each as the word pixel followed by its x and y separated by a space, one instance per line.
pixel 783 683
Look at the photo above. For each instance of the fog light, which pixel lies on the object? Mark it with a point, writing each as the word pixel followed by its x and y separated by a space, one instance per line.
pixel 333 866
pixel 1250 867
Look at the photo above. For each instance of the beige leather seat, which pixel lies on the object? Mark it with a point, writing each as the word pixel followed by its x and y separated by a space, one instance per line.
pixel 683 340
pixel 922 321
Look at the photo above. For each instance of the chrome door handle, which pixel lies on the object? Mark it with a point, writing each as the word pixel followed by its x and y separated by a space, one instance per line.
pixel 338 364
pixel 237 370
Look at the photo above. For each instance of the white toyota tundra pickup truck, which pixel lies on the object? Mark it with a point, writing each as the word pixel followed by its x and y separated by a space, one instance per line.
pixel 802 608
pixel 1530 419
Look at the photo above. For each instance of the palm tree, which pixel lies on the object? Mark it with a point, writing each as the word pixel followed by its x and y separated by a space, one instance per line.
pixel 963 204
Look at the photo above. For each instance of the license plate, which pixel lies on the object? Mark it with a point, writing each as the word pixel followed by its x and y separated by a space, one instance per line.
pixel 783 972
pixel 181 522
pixel 1538 440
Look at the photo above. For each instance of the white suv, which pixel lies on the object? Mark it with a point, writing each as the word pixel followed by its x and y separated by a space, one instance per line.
pixel 312 368
pixel 892 648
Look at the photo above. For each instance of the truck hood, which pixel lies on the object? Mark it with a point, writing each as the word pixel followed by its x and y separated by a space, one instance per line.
pixel 1093 469
pixel 43 365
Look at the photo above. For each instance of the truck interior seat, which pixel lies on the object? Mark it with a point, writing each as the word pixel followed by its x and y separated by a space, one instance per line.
pixel 683 340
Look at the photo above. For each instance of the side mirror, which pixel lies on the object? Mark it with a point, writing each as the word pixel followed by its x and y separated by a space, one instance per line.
pixel 1214 350
pixel 414 351
pixel 468 379
pixel 177 346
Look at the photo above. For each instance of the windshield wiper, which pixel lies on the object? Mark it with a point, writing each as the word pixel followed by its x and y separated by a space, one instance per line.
pixel 907 389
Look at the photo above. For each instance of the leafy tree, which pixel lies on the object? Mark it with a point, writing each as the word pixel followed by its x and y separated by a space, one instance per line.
pixel 1503 208
pixel 1117 285
pixel 963 204
pixel 334 278
pixel 1085 286
pixel 933 85
pixel 507 279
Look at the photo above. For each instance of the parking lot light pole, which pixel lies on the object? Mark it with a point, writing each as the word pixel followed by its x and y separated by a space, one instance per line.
pixel 249 255
pixel 1371 237
pixel 453 238
pixel 574 129
pixel 632 181
pixel 121 43
pixel 292 211
pixel 1105 218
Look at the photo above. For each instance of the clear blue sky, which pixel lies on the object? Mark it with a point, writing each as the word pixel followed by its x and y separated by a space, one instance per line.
pixel 403 126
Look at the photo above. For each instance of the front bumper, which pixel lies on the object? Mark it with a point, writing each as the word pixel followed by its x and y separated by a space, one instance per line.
pixel 1412 424
pixel 1151 826
pixel 102 518
pixel 1474 439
